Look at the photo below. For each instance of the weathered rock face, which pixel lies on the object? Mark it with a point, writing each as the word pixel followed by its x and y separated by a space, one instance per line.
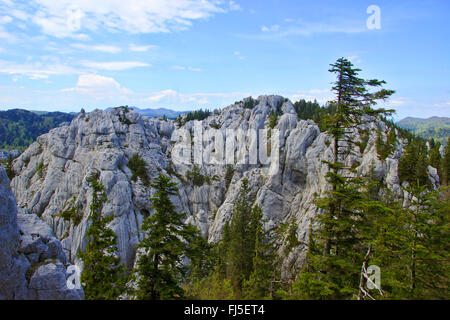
pixel 51 173
pixel 29 249
pixel 12 265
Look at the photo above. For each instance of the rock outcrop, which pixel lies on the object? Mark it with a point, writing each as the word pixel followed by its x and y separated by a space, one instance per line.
pixel 12 264
pixel 52 172
pixel 32 261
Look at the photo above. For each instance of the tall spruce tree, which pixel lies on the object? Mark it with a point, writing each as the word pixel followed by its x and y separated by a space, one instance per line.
pixel 159 269
pixel 242 242
pixel 9 169
pixel 103 274
pixel 263 270
pixel 446 164
pixel 336 249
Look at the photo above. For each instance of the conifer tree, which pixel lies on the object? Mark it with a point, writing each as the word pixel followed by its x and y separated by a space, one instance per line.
pixel 242 242
pixel 336 248
pixel 258 284
pixel 446 165
pixel 9 169
pixel 413 164
pixel 103 274
pixel 159 269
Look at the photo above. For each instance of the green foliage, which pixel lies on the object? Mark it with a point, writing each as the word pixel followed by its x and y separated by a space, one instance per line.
pixel 19 128
pixel 242 242
pixel 159 270
pixel 9 169
pixel 214 125
pixel 212 287
pixel 103 275
pixel 250 103
pixel 273 120
pixel 362 144
pixel 384 149
pixel 195 115
pixel 336 247
pixel 437 128
pixel 138 167
pixel 413 164
pixel 40 169
pixel 123 110
pixel 446 165
pixel 229 173
pixel 196 177
pixel 258 284
pixel 243 261
pixel 72 214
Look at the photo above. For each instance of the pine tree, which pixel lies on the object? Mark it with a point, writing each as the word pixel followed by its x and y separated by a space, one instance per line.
pixel 434 157
pixel 159 269
pixel 336 248
pixel 242 242
pixel 446 165
pixel 413 164
pixel 9 169
pixel 429 234
pixel 259 282
pixel 103 274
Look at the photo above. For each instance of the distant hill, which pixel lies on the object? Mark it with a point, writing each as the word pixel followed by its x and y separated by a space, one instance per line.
pixel 19 128
pixel 434 127
pixel 158 113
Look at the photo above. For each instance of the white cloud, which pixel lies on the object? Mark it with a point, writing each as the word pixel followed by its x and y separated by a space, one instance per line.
pixel 64 18
pixel 321 95
pixel 6 35
pixel 172 97
pixel 396 103
pixel 5 19
pixel 101 48
pixel 113 65
pixel 355 59
pixel 233 6
pixel 100 86
pixel 182 68
pixel 158 96
pixel 136 48
pixel 296 28
pixel 35 70
pixel 238 55
pixel 272 28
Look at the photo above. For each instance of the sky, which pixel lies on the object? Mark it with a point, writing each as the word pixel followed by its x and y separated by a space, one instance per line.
pixel 188 54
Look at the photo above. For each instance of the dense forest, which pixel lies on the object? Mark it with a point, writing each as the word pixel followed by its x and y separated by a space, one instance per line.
pixel 360 224
pixel 19 128
pixel 437 128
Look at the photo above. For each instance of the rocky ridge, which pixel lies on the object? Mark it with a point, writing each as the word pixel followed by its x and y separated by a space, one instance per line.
pixel 32 262
pixel 51 174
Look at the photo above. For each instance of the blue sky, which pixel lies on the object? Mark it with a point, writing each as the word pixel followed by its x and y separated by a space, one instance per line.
pixel 185 54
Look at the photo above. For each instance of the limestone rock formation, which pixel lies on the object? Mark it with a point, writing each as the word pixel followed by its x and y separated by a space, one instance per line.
pixel 51 174
pixel 12 264
pixel 32 261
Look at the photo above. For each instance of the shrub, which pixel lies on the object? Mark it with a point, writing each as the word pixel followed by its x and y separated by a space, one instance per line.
pixel 273 118
pixel 196 177
pixel 385 149
pixel 138 167
pixel 72 214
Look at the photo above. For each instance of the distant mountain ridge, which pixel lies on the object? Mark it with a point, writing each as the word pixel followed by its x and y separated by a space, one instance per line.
pixel 434 127
pixel 157 113
pixel 19 128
